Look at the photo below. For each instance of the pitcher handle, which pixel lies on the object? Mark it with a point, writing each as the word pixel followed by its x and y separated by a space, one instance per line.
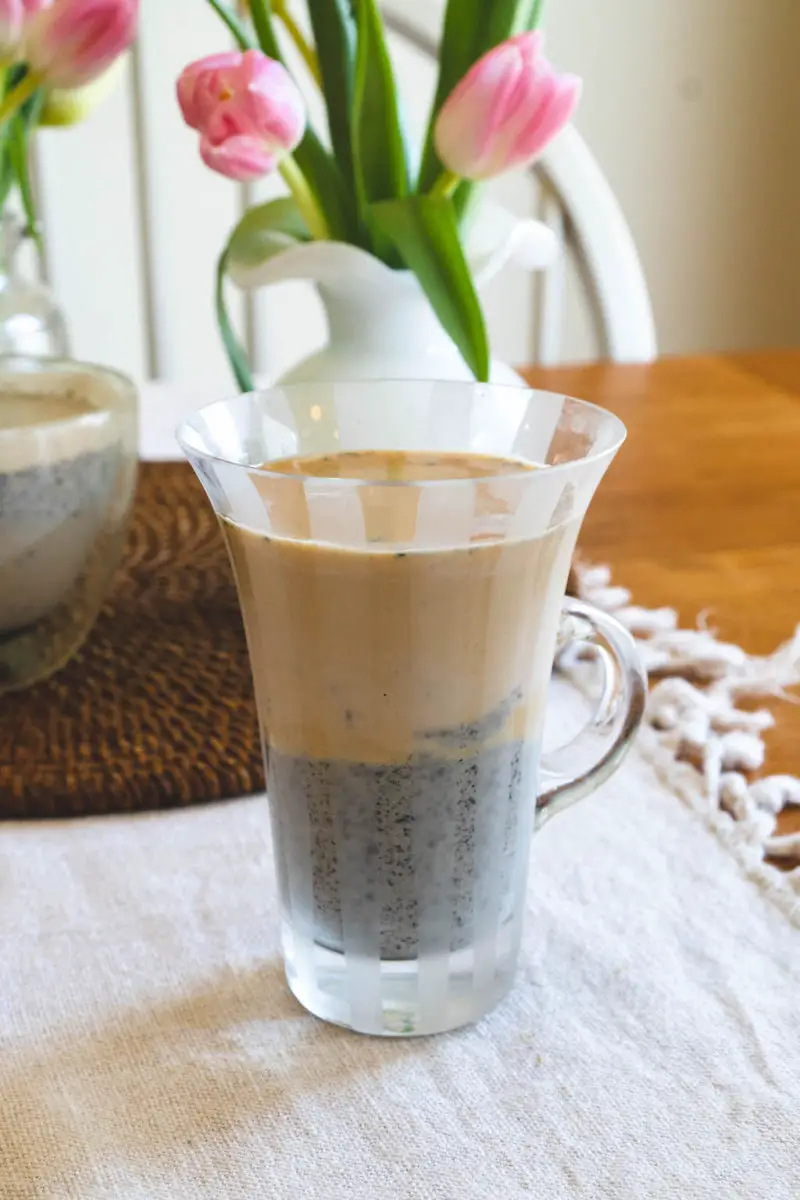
pixel 573 771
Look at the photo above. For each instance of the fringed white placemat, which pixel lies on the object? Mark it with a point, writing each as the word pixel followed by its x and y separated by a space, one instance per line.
pixel 703 743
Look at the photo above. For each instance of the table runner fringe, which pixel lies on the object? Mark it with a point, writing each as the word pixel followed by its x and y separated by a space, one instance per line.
pixel 699 739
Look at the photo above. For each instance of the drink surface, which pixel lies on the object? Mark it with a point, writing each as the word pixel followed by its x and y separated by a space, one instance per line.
pixel 399 466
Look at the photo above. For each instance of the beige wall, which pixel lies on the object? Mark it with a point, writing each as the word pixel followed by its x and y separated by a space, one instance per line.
pixel 693 108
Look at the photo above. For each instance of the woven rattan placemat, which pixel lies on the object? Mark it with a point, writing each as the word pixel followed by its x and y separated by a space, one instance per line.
pixel 157 709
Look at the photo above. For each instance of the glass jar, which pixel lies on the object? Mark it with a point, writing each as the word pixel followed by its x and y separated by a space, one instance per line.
pixel 31 323
pixel 68 456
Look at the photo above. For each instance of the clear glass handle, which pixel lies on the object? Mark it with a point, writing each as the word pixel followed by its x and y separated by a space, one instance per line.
pixel 573 771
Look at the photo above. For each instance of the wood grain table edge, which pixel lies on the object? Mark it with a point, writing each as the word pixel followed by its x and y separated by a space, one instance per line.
pixel 701 510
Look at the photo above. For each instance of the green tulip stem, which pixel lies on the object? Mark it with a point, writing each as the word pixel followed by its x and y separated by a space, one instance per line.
pixel 446 184
pixel 305 200
pixel 18 95
pixel 306 51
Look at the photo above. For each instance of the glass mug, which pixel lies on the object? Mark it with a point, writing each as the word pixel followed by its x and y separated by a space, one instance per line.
pixel 402 633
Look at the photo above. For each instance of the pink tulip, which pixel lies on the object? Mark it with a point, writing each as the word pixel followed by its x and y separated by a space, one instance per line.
pixel 71 42
pixel 202 83
pixel 13 15
pixel 505 110
pixel 247 109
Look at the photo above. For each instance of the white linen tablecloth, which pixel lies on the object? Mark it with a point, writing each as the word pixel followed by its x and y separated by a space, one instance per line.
pixel 149 1047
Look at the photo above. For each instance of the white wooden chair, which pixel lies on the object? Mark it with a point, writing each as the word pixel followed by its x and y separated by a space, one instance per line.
pixel 134 224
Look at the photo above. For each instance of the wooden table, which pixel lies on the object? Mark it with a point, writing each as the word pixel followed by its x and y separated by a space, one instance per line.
pixel 701 509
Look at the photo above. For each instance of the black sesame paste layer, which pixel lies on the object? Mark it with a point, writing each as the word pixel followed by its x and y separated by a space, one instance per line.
pixel 433 842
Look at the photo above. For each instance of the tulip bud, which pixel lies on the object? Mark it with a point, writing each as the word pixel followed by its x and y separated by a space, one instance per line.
pixel 72 42
pixel 248 110
pixel 70 106
pixel 13 15
pixel 505 110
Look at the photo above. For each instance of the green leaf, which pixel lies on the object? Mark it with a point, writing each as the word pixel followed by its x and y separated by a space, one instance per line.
pixel 424 230
pixel 335 37
pixel 534 17
pixel 18 158
pixel 261 12
pixel 325 180
pixel 316 163
pixel 21 129
pixel 6 169
pixel 10 132
pixel 265 231
pixel 235 351
pixel 241 34
pixel 379 152
pixel 471 28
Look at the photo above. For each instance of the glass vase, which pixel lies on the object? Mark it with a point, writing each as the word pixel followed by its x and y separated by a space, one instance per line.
pixel 31 323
